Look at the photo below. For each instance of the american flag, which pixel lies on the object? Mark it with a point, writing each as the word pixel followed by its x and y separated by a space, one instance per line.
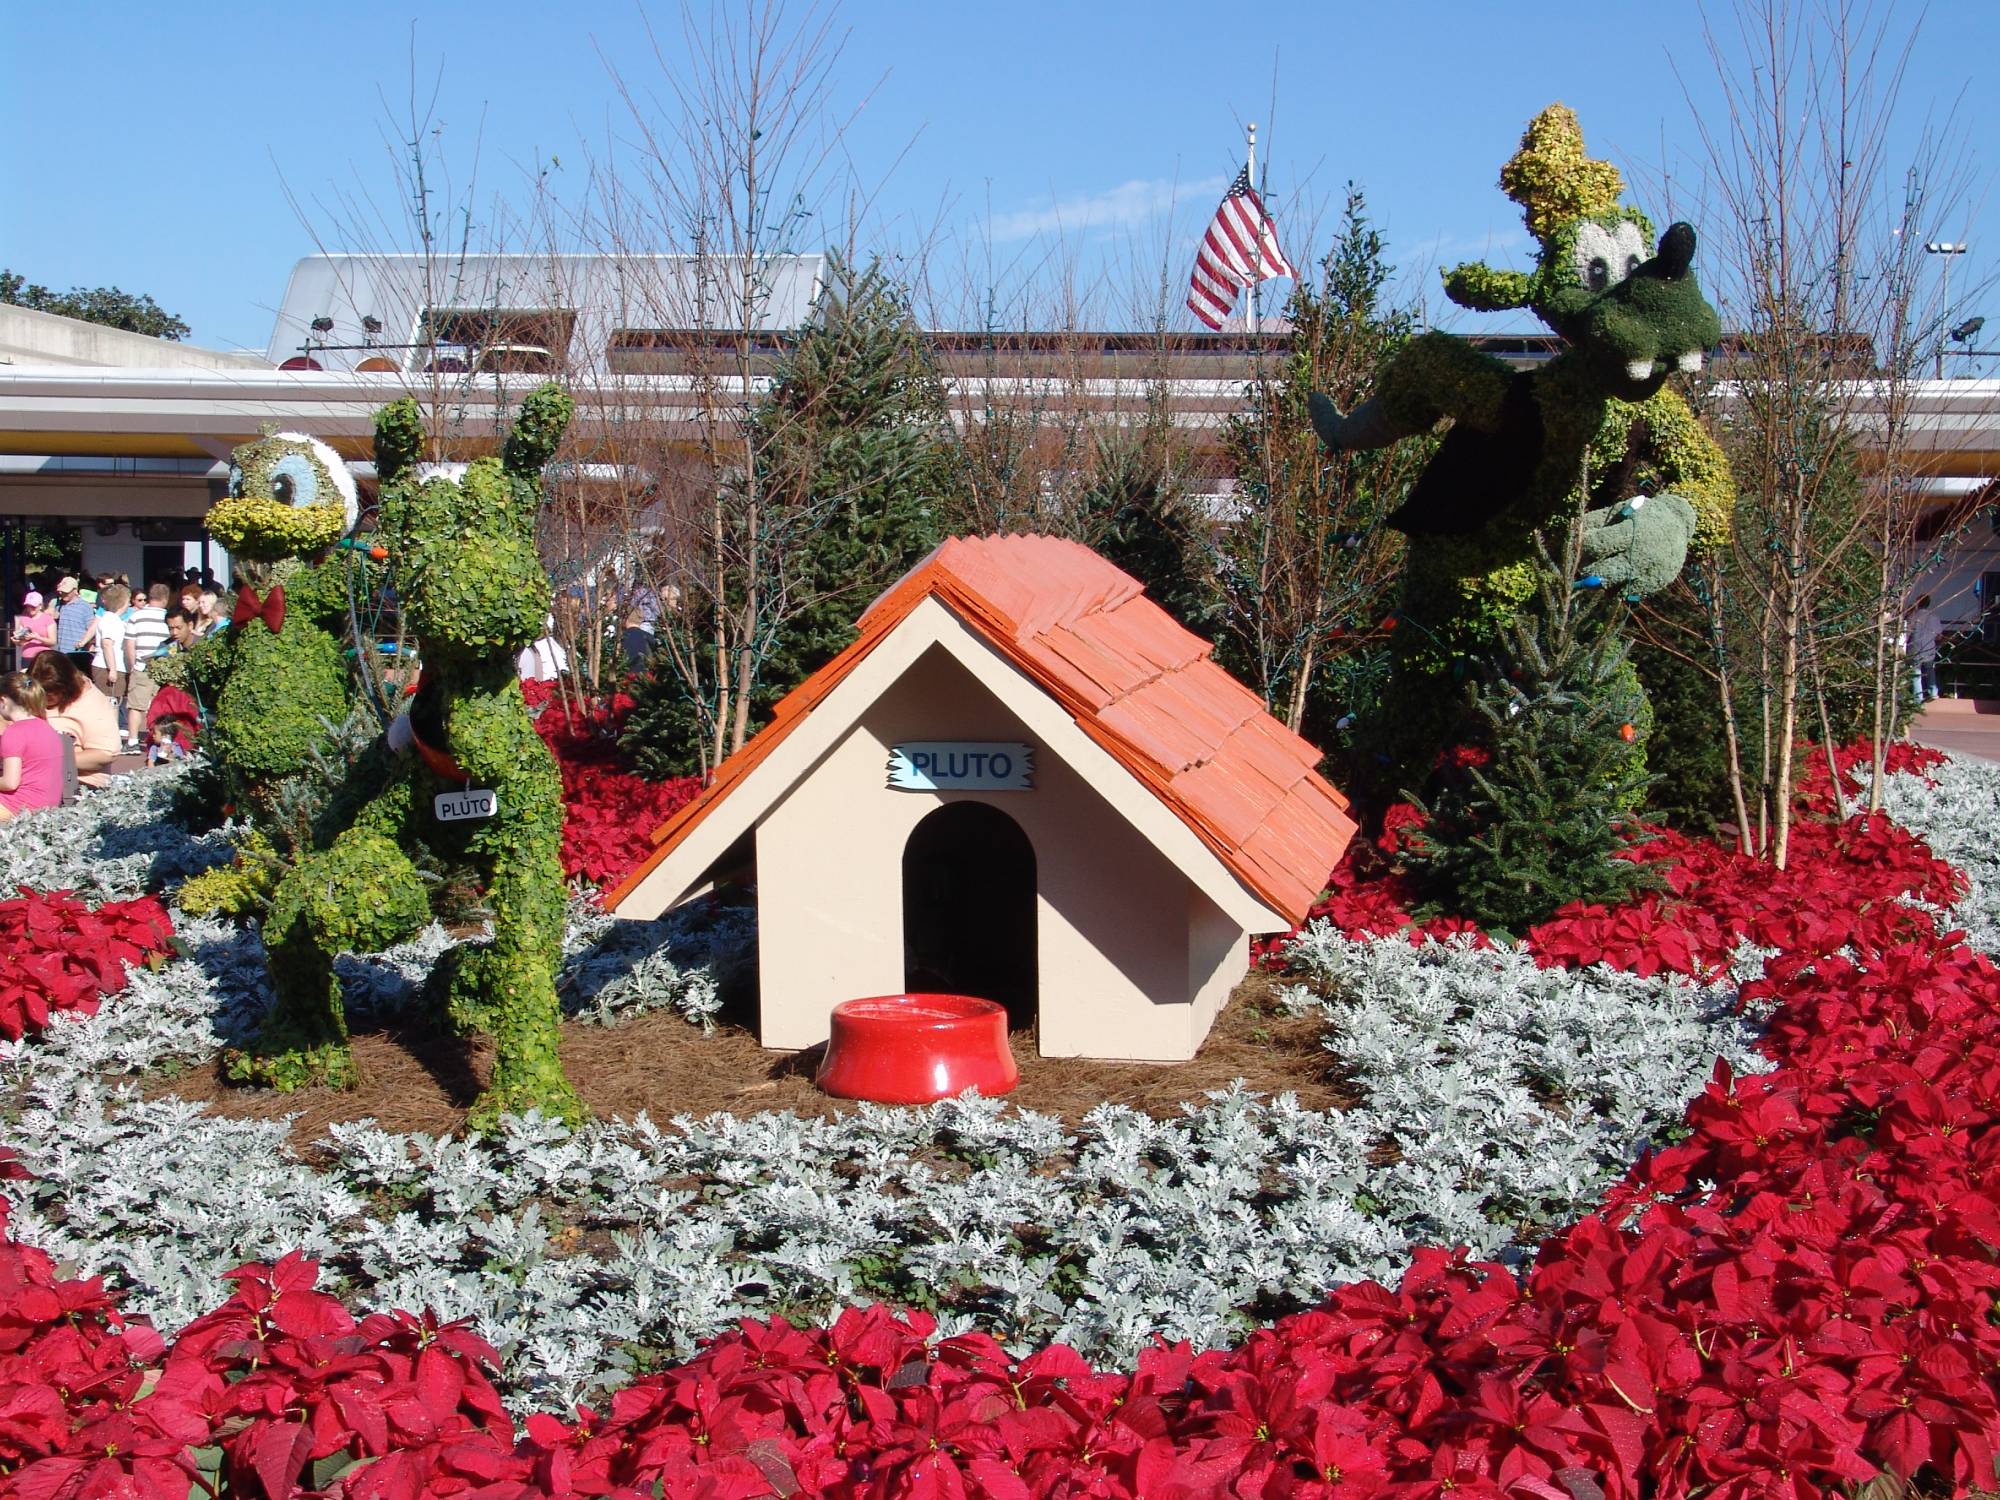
pixel 1239 250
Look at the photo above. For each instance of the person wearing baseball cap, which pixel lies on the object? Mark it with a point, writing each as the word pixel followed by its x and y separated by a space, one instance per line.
pixel 34 627
pixel 76 623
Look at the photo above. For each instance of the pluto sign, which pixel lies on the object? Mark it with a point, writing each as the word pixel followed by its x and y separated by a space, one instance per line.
pixel 961 766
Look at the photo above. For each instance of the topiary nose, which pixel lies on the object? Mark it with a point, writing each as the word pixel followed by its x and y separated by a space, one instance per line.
pixel 1676 251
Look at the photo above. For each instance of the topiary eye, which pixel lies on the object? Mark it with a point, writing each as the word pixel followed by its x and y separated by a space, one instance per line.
pixel 1632 263
pixel 295 481
pixel 1599 256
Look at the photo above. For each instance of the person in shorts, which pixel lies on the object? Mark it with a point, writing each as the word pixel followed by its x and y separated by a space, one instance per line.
pixel 108 669
pixel 145 638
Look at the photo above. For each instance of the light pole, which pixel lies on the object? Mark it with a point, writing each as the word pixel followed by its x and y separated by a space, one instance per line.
pixel 1946 248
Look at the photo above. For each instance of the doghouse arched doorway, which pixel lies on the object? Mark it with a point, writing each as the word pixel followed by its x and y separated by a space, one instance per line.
pixel 969 908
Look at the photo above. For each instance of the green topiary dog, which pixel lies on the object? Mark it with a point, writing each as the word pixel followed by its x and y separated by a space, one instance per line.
pixel 1595 429
pixel 473 591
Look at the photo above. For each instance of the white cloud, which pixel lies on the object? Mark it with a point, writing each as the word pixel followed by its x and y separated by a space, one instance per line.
pixel 1132 202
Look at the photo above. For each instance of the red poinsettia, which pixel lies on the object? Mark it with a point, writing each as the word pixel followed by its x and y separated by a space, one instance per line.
pixel 57 954
pixel 609 813
pixel 1796 1297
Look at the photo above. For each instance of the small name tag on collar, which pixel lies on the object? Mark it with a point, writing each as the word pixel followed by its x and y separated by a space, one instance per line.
pixel 461 807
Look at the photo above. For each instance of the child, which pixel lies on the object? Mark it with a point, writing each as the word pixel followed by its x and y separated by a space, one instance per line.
pixel 31 753
pixel 108 670
pixel 171 725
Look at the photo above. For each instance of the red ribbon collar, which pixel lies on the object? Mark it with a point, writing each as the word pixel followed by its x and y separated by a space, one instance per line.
pixel 439 761
pixel 271 609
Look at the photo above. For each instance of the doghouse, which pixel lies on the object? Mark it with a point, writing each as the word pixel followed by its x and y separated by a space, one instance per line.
pixel 1025 781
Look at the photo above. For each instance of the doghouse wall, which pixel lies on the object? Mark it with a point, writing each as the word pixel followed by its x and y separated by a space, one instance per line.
pixel 1133 961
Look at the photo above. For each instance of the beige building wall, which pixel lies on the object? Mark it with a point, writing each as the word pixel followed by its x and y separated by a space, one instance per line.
pixel 28 337
pixel 1218 954
pixel 1133 961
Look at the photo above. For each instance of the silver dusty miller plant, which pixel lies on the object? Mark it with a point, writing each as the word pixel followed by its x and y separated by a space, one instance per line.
pixel 1956 809
pixel 1497 1100
pixel 1511 1095
pixel 115 844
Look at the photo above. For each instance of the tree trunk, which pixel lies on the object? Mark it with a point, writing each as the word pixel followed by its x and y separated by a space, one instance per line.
pixel 1296 714
pixel 1788 679
pixel 1826 732
pixel 746 644
pixel 1788 672
pixel 1712 603
pixel 719 604
pixel 1768 613
pixel 1879 721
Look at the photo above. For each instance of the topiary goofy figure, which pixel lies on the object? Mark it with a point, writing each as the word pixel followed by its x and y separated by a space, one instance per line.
pixel 473 593
pixel 1595 429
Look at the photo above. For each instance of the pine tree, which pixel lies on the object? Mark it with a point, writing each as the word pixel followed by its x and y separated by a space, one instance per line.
pixel 664 731
pixel 1537 804
pixel 856 443
pixel 853 457
pixel 1685 748
pixel 1139 510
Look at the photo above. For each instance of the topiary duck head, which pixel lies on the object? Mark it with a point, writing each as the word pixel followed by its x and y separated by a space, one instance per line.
pixel 289 496
pixel 1631 307
pixel 469 579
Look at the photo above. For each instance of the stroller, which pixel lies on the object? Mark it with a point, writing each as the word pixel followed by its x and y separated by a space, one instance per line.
pixel 172 724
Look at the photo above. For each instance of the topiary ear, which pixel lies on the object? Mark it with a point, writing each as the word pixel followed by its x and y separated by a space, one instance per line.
pixel 537 431
pixel 1484 289
pixel 399 438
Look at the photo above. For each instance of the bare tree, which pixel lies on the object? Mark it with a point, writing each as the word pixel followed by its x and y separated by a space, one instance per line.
pixel 435 224
pixel 1307 563
pixel 737 161
pixel 1818 282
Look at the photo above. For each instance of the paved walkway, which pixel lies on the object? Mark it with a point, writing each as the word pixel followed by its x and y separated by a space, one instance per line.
pixel 1964 725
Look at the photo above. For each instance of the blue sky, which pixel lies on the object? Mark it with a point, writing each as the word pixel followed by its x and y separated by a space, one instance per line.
pixel 195 152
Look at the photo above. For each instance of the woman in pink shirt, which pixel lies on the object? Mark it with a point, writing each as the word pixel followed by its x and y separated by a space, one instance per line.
pixel 31 753
pixel 34 627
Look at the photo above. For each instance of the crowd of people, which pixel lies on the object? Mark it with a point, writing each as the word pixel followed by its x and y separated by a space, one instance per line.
pixel 86 677
pixel 85 702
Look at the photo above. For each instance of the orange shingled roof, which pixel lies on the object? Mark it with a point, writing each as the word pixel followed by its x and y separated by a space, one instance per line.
pixel 1134 680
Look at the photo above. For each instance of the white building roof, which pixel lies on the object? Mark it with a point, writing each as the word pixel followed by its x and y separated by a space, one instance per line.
pixel 580 300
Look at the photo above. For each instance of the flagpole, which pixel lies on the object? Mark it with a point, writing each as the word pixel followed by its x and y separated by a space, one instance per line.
pixel 1250 176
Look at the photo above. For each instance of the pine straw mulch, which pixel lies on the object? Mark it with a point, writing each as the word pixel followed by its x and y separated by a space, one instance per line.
pixel 418 1080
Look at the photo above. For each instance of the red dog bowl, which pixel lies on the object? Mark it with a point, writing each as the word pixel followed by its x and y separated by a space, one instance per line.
pixel 912 1049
